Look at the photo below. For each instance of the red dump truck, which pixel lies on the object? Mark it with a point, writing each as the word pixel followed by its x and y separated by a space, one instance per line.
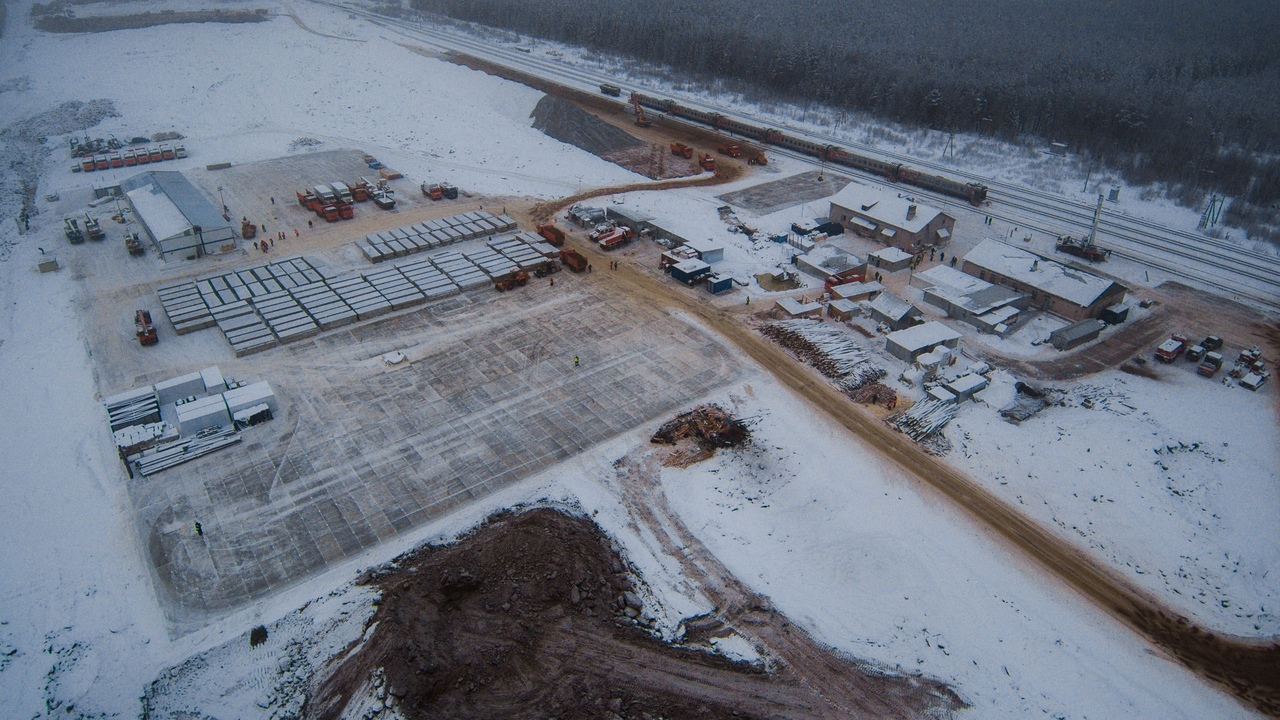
pixel 616 237
pixel 552 234
pixel 574 260
pixel 844 277
pixel 682 150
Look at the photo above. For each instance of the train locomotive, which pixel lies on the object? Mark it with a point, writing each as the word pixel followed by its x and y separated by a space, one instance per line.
pixel 893 171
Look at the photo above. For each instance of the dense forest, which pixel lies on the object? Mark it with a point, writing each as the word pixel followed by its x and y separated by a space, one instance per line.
pixel 1181 91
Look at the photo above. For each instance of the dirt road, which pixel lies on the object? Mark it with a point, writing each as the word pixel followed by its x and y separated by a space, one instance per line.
pixel 1247 668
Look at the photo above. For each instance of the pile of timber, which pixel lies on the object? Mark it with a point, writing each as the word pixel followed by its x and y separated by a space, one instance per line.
pixel 829 349
pixel 163 457
pixel 872 394
pixel 923 419
pixel 710 425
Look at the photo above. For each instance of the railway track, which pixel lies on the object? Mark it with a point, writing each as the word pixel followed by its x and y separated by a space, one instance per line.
pixel 1248 275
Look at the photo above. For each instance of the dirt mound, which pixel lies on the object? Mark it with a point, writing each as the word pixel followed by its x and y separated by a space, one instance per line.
pixel 568 123
pixel 534 616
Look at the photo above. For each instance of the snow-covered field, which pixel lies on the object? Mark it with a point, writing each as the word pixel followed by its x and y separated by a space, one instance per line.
pixel 859 555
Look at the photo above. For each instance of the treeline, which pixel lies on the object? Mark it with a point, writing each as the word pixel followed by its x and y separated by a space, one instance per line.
pixel 1181 91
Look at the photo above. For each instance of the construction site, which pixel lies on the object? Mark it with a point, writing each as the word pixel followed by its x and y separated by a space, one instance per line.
pixel 605 425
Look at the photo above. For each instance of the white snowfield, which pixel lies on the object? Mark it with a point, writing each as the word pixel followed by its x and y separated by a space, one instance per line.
pixel 869 561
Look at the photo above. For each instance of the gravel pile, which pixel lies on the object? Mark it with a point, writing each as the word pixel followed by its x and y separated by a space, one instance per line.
pixel 569 123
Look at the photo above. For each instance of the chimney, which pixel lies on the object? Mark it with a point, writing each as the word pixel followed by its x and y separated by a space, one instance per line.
pixel 911 212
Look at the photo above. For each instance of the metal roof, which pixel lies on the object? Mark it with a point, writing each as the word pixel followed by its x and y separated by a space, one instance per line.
pixel 1070 284
pixel 884 208
pixel 183 197
pixel 1075 331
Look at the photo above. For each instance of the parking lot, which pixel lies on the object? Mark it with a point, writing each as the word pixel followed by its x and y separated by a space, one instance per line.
pixel 362 451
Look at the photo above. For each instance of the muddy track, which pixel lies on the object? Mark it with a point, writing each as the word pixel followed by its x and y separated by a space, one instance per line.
pixel 790 652
pixel 1247 668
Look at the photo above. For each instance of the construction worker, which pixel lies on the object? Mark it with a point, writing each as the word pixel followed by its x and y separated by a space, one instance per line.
pixel 199 529
pixel 255 244
pixel 309 224
pixel 953 261
pixel 575 361
pixel 553 282
pixel 273 199
pixel 295 232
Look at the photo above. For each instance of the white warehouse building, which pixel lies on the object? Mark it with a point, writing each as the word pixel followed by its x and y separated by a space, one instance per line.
pixel 179 218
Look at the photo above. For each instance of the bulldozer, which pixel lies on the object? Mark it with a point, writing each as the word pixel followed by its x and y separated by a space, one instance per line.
pixel 512 280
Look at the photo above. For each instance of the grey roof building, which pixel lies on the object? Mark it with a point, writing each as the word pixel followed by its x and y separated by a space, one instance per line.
pixel 179 218
pixel 893 311
pixel 1076 334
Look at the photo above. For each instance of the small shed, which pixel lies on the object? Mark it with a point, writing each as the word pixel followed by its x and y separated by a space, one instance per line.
pixel 1076 334
pixel 708 251
pixel 891 259
pixel 688 271
pixel 247 396
pixel 941 394
pixel 856 292
pixel 966 385
pixel 913 342
pixel 791 309
pixel 717 283
pixel 175 389
pixel 893 311
pixel 1115 314
pixel 842 310
pixel 202 414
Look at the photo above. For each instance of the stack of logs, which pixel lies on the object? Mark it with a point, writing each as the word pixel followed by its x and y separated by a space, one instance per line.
pixel 828 349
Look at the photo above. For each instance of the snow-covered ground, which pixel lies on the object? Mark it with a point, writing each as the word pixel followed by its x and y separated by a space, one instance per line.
pixel 862 557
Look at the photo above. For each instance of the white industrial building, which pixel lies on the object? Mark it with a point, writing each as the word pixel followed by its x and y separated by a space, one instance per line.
pixel 179 218
pixel 913 342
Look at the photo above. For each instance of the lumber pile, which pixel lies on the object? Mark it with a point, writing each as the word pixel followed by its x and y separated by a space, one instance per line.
pixel 829 349
pixel 923 419
pixel 709 425
pixel 872 394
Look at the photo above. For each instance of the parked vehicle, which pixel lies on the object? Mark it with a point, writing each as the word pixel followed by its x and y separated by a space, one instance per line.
pixel 1213 342
pixel 552 234
pixel 1196 353
pixel 144 328
pixel 1170 349
pixel 512 280
pixel 682 150
pixel 610 90
pixel 1211 365
pixel 574 260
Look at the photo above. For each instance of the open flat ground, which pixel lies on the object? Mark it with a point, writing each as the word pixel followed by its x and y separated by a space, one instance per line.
pixel 362 452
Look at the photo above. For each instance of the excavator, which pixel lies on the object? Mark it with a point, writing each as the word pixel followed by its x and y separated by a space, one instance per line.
pixel 641 119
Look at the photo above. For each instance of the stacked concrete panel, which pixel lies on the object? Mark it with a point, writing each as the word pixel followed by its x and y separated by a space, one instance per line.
pixel 323 305
pixel 285 316
pixel 360 296
pixel 432 234
pixel 396 288
pixel 464 273
pixel 518 250
pixel 185 308
pixel 244 328
pixel 428 279
pixel 492 263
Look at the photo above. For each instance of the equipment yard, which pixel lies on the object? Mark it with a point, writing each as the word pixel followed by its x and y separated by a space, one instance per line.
pixel 524 400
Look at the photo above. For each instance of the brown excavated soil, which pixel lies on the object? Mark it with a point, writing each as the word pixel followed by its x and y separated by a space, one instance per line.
pixel 527 617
